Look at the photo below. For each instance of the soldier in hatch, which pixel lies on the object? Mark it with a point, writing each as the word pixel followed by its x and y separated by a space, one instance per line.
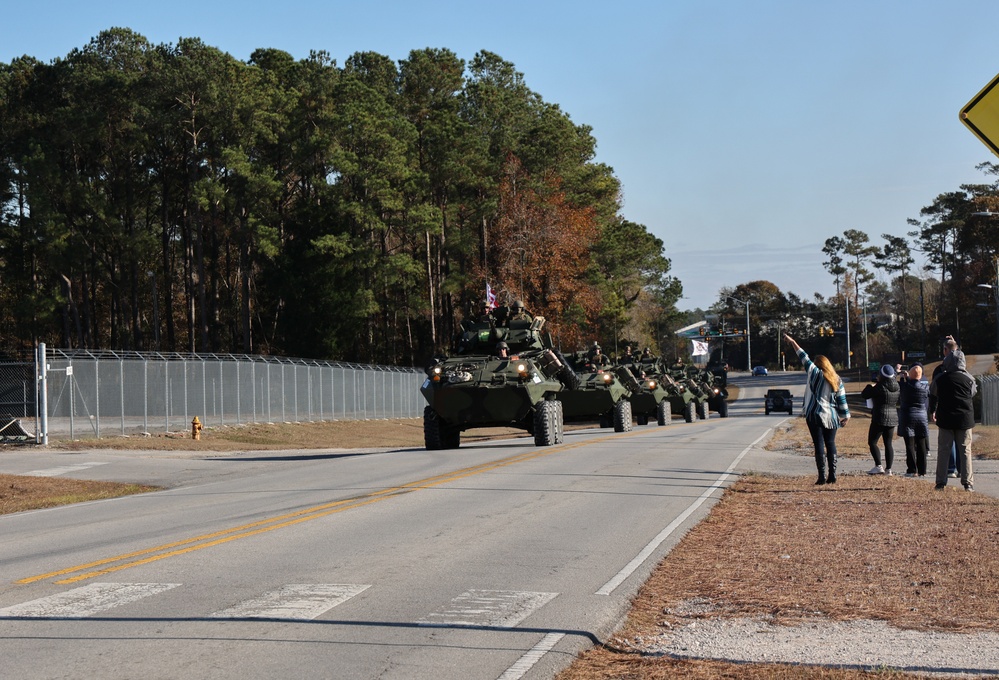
pixel 595 358
pixel 518 313
pixel 502 350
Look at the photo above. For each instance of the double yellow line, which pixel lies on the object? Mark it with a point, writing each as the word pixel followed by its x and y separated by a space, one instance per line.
pixel 110 565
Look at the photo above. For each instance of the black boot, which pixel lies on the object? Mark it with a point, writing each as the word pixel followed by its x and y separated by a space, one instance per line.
pixel 831 479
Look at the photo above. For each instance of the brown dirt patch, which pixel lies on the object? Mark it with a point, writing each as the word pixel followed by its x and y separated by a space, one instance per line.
pixel 19 493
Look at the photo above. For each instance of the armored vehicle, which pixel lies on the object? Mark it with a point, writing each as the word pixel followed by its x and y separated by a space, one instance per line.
pixel 660 396
pixel 602 394
pixel 502 372
pixel 689 378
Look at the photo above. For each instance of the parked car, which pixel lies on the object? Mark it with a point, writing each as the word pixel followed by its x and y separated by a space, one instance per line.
pixel 779 400
pixel 759 370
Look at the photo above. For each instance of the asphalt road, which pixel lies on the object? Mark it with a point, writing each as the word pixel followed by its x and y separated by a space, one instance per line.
pixel 499 560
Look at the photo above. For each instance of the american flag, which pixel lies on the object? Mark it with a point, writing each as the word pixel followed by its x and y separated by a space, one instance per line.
pixel 490 297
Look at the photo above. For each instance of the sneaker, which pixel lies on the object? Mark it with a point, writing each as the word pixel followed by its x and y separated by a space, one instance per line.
pixel 889 473
pixel 876 470
pixel 940 487
pixel 968 487
pixel 952 475
pixel 910 474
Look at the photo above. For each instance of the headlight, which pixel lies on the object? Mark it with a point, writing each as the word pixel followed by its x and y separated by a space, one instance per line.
pixel 522 370
pixel 652 384
pixel 608 377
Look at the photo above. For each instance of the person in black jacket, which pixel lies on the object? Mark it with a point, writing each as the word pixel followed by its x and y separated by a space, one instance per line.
pixel 913 404
pixel 884 418
pixel 951 395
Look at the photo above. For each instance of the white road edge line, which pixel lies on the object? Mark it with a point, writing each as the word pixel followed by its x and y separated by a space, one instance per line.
pixel 526 662
pixel 622 575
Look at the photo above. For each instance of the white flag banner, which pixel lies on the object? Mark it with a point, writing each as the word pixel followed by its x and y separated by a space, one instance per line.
pixel 700 348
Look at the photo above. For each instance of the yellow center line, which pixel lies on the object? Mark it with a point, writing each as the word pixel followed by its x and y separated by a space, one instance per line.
pixel 148 555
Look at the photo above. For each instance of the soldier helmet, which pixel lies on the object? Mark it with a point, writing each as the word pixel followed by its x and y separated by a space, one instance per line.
pixel 596 345
pixel 518 304
pixel 502 345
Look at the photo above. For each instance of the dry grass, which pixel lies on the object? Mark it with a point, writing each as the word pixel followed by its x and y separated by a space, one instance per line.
pixel 19 493
pixel 338 434
pixel 867 548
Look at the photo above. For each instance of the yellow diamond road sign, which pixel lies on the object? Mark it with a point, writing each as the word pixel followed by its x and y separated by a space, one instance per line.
pixel 981 115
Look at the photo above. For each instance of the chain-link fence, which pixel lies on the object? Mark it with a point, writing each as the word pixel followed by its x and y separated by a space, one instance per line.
pixel 988 389
pixel 95 394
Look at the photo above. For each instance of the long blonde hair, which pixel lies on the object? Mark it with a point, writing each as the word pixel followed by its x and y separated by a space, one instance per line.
pixel 831 376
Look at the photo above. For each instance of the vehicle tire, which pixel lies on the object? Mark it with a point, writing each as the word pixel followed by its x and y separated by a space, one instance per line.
pixel 560 422
pixel 642 418
pixel 688 411
pixel 702 410
pixel 723 409
pixel 664 413
pixel 546 423
pixel 622 416
pixel 433 434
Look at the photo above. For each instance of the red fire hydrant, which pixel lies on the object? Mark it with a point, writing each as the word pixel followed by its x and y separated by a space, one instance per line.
pixel 196 428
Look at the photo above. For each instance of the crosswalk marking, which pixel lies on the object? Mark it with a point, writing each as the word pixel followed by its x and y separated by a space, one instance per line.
pixel 65 469
pixel 84 601
pixel 489 608
pixel 302 601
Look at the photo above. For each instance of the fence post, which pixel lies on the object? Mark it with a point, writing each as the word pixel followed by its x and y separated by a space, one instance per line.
pixel 42 395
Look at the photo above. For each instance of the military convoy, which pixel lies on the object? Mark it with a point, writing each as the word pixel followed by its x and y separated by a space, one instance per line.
pixel 504 371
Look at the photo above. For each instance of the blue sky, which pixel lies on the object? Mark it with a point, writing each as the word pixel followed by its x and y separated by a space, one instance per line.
pixel 745 133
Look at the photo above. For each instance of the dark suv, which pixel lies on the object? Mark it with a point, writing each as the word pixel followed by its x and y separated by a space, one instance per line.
pixel 779 400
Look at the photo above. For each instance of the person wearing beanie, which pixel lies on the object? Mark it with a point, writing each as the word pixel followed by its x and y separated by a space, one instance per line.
pixel 883 396
pixel 951 395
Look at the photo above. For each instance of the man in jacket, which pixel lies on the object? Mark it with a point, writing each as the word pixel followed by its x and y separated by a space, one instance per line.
pixel 951 395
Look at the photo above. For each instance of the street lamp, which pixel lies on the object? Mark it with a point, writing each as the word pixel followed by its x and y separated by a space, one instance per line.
pixel 749 350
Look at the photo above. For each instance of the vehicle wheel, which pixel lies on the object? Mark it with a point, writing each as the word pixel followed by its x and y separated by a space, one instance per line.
pixel 642 418
pixel 664 414
pixel 546 424
pixel 702 410
pixel 436 434
pixel 560 421
pixel 688 411
pixel 622 416
pixel 723 409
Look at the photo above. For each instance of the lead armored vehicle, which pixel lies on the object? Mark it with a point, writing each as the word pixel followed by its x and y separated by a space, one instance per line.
pixel 502 372
pixel 602 393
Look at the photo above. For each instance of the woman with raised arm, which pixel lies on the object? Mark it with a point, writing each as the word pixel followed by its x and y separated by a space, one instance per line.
pixel 825 409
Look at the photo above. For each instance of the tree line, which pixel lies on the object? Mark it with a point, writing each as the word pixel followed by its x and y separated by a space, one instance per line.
pixel 884 303
pixel 171 197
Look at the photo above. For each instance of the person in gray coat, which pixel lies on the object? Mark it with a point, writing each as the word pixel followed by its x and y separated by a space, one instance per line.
pixel 951 395
pixel 884 418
